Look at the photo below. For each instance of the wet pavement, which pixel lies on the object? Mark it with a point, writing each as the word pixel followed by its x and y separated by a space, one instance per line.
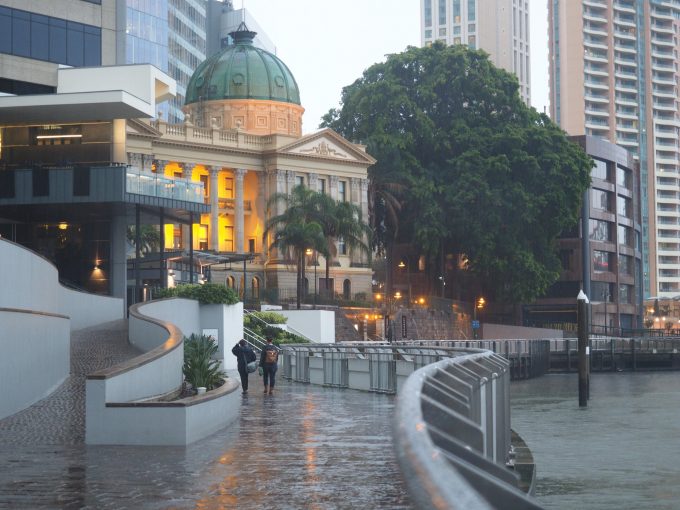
pixel 303 447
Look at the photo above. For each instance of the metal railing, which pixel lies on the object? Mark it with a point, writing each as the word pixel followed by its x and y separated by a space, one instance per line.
pixel 289 329
pixel 528 357
pixel 452 434
pixel 253 339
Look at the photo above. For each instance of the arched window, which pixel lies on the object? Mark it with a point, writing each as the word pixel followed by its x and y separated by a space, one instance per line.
pixel 347 289
pixel 255 288
pixel 231 282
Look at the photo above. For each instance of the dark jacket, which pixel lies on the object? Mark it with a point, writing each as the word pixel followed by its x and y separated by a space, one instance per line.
pixel 244 355
pixel 263 355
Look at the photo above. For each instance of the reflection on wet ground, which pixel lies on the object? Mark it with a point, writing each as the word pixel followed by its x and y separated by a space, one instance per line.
pixel 303 447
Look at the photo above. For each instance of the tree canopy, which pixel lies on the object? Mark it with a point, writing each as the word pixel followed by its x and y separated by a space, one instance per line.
pixel 484 175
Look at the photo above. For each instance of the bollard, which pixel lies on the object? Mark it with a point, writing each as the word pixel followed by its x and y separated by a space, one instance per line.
pixel 582 301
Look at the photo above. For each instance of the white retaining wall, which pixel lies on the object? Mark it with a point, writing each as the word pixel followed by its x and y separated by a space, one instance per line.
pixel 36 317
pixel 118 410
pixel 317 325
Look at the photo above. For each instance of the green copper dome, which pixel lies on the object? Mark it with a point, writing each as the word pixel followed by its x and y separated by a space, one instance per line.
pixel 242 71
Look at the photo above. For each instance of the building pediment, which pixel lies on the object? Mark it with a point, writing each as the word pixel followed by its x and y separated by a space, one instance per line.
pixel 327 144
pixel 138 126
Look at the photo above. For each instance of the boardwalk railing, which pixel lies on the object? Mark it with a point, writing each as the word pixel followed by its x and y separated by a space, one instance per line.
pixel 616 354
pixel 528 358
pixel 452 434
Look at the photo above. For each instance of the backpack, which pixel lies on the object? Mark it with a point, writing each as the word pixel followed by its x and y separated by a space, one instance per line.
pixel 271 356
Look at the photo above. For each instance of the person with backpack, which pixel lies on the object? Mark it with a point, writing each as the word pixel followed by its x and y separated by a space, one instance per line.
pixel 269 358
pixel 244 355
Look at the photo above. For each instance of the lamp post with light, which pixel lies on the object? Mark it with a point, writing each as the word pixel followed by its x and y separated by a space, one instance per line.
pixel 308 251
pixel 479 303
pixel 405 266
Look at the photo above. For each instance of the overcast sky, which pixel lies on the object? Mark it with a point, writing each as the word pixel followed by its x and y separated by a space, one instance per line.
pixel 327 45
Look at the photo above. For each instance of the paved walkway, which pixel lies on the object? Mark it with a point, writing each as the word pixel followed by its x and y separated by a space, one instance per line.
pixel 303 447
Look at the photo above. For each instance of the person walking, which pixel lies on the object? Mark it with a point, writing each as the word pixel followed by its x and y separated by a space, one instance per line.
pixel 244 355
pixel 269 358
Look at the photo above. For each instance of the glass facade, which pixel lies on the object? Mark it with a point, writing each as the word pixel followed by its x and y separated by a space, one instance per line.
pixel 29 35
pixel 187 47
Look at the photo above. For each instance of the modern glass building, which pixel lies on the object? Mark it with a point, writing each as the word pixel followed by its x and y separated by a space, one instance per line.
pixel 501 28
pixel 615 77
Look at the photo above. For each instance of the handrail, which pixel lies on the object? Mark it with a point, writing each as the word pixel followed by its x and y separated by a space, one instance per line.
pixel 447 415
pixel 289 328
pixel 253 339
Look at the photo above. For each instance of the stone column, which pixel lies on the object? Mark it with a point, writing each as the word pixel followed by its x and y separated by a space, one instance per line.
pixel 261 206
pixel 187 170
pixel 239 227
pixel 160 165
pixel 147 161
pixel 314 182
pixel 333 186
pixel 280 188
pixel 363 198
pixel 214 194
pixel 134 159
pixel 290 181
pixel 354 187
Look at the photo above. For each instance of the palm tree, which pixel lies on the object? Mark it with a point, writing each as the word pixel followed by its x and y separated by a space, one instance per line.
pixel 295 230
pixel 384 206
pixel 150 238
pixel 341 221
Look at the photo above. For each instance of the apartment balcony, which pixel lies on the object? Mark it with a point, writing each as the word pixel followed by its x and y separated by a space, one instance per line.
pixel 625 60
pixel 626 115
pixel 663 41
pixel 596 84
pixel 590 29
pixel 665 107
pixel 596 98
pixel 663 54
pixel 663 92
pixel 594 16
pixel 597 123
pixel 662 67
pixel 663 79
pixel 600 44
pixel 665 14
pixel 628 89
pixel 595 57
pixel 627 101
pixel 596 70
pixel 624 7
pixel 625 48
pixel 625 21
pixel 626 129
pixel 666 28
pixel 595 4
pixel 596 112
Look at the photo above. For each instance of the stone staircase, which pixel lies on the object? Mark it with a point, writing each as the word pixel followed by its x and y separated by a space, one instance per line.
pixel 424 324
pixel 344 328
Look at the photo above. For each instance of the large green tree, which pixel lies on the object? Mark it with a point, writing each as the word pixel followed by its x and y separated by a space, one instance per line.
pixel 485 175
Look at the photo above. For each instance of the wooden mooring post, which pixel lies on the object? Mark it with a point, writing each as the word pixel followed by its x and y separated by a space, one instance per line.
pixel 583 389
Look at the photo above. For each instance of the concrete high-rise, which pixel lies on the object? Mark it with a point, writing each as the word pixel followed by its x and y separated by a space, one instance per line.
pixel 613 75
pixel 499 27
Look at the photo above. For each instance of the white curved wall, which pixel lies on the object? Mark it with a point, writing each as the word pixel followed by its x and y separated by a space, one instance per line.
pixel 35 326
pixel 34 340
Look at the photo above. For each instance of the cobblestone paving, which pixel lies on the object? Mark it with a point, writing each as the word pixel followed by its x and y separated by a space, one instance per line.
pixel 305 447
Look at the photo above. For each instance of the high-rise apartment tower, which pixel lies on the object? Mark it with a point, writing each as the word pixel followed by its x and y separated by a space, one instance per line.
pixel 499 27
pixel 613 75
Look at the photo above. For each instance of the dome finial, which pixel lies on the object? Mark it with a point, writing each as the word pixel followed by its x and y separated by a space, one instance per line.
pixel 242 35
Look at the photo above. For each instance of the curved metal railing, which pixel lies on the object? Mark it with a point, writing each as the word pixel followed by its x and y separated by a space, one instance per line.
pixel 289 328
pixel 452 435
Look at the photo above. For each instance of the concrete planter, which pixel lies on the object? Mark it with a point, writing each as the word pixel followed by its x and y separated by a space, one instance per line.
pixel 226 322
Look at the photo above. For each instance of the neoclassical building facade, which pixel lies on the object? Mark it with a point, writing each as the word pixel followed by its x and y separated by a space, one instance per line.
pixel 81 168
pixel 242 140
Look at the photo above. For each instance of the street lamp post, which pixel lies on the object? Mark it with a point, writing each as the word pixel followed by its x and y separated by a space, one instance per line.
pixel 308 251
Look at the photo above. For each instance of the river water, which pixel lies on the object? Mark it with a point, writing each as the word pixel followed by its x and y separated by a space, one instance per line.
pixel 621 452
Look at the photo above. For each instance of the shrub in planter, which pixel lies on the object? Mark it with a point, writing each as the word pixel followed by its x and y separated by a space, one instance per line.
pixel 206 294
pixel 199 368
